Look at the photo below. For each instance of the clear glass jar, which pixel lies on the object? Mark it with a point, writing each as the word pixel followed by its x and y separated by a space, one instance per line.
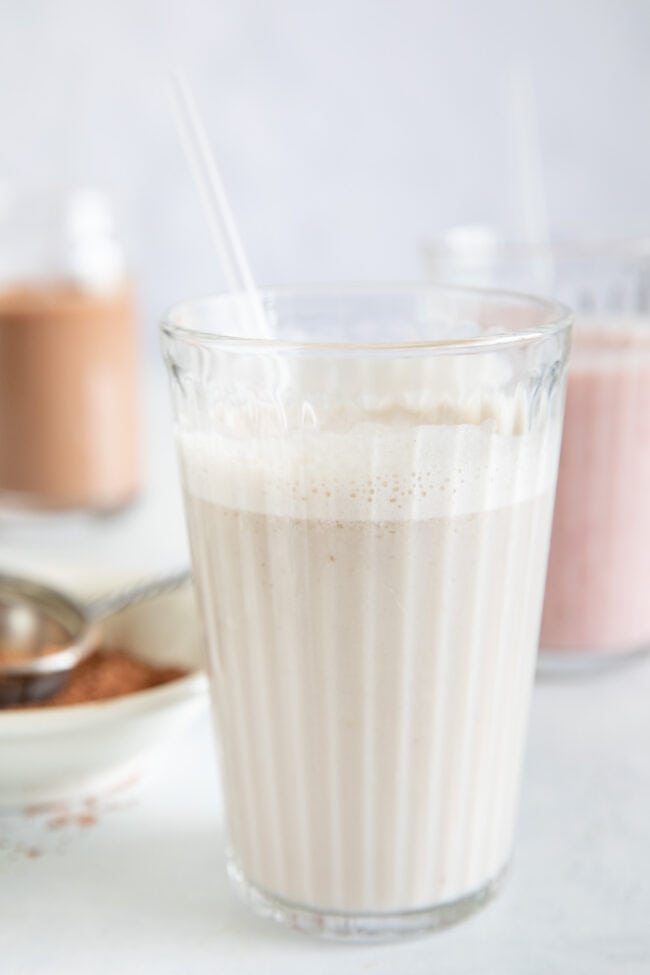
pixel 369 499
pixel 69 415
pixel 597 606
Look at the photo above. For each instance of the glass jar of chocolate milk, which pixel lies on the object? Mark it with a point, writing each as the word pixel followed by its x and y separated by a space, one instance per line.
pixel 369 497
pixel 68 361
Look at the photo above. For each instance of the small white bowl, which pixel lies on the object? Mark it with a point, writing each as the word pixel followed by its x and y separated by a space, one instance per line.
pixel 61 753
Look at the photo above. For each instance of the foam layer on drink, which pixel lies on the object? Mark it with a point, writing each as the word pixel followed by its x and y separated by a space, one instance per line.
pixel 393 463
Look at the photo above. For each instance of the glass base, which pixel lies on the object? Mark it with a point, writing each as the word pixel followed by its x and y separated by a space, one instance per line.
pixel 568 663
pixel 361 927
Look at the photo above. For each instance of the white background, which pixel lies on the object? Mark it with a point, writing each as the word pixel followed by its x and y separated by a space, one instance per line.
pixel 347 130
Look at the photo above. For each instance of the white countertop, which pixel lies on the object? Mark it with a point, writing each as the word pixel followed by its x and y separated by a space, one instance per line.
pixel 137 885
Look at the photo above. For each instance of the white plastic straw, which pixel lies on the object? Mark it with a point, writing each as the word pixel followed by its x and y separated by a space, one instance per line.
pixel 211 190
pixel 529 176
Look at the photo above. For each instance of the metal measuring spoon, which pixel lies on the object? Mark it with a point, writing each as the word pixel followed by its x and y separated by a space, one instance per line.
pixel 45 634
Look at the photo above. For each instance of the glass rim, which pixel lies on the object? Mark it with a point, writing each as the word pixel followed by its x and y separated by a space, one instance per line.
pixel 559 319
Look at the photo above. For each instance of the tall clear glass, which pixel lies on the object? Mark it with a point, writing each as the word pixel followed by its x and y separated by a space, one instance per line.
pixel 597 607
pixel 369 500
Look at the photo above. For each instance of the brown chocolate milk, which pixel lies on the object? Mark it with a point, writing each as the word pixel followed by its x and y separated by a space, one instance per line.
pixel 68 410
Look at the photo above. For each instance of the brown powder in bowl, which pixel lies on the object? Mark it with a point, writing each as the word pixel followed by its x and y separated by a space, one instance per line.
pixel 107 674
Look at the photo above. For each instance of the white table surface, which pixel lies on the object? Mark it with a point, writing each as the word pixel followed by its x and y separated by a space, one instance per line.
pixel 137 885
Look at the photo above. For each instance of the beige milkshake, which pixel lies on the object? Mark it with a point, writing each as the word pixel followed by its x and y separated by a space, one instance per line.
pixel 369 529
pixel 373 598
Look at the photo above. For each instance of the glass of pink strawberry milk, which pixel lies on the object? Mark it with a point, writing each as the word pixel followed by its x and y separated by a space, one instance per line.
pixel 597 602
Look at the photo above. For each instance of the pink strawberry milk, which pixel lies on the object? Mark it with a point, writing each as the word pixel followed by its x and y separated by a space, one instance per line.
pixel 598 584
